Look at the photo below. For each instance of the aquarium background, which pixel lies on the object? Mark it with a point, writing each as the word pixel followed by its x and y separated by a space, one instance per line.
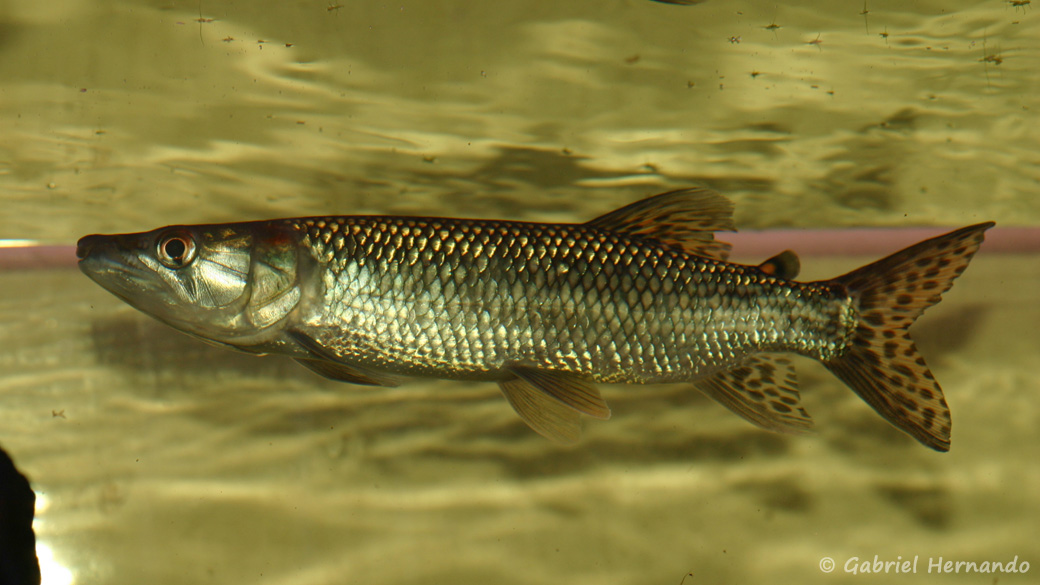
pixel 159 459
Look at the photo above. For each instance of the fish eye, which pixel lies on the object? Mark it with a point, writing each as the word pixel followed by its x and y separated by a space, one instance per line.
pixel 175 250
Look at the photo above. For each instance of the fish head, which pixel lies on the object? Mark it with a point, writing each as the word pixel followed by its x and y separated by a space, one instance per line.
pixel 229 284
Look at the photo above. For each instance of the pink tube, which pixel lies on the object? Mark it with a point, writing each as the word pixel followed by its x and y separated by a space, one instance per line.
pixel 23 255
pixel 875 242
pixel 872 242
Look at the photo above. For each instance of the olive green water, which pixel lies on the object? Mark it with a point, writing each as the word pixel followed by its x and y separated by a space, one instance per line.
pixel 158 459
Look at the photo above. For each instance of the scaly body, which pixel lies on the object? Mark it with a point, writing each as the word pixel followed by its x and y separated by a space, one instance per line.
pixel 640 295
pixel 468 299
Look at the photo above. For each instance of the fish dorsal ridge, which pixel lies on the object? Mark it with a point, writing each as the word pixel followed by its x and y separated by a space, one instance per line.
pixel 684 220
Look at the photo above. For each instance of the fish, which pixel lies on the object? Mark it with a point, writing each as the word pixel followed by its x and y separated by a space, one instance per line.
pixel 643 294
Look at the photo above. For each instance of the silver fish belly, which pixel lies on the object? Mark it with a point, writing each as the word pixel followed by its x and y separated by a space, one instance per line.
pixel 640 295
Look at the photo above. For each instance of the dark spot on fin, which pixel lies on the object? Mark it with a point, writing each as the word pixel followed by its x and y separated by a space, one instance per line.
pixel 683 220
pixel 327 364
pixel 546 415
pixel 569 389
pixel 763 390
pixel 784 265
pixel 881 363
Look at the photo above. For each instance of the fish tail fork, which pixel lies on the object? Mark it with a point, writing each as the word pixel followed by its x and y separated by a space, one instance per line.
pixel 881 363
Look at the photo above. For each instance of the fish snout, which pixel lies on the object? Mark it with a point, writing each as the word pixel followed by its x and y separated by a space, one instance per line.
pixel 97 246
pixel 87 245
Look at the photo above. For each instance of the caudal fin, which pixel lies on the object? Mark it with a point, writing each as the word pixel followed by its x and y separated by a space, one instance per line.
pixel 882 364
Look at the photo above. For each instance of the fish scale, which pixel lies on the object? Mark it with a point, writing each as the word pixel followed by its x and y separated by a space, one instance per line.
pixel 574 299
pixel 642 294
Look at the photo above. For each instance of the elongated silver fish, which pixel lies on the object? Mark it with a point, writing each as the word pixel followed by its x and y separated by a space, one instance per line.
pixel 640 295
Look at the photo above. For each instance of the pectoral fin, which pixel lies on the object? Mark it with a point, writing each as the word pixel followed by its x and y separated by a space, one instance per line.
pixel 342 373
pixel 327 364
pixel 762 390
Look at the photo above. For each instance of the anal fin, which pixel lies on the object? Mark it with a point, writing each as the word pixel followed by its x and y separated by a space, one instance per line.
pixel 764 391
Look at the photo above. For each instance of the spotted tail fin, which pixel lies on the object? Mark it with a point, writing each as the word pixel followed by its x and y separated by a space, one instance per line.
pixel 881 363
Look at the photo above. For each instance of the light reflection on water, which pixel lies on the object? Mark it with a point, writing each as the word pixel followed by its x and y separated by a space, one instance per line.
pixel 178 462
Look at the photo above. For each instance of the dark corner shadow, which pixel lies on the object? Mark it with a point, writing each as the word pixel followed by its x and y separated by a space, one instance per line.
pixel 18 562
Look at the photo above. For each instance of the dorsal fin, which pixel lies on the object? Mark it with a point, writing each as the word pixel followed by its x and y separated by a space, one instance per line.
pixel 784 265
pixel 683 219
